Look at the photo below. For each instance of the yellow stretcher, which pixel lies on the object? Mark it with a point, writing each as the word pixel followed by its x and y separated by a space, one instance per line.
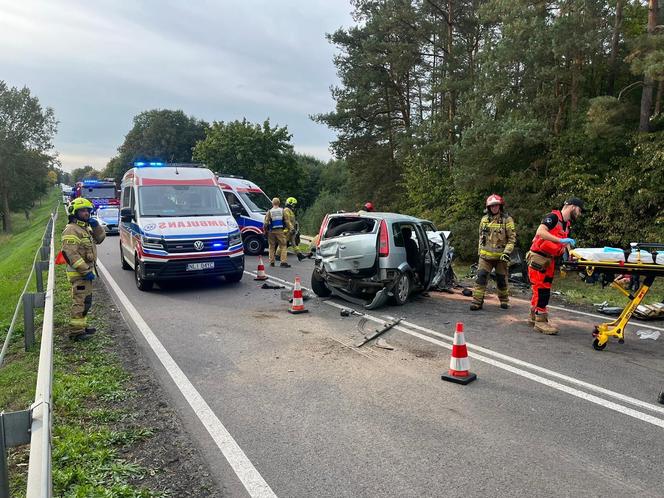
pixel 646 267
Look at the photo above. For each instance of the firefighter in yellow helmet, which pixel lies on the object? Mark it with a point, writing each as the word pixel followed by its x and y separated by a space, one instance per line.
pixel 292 233
pixel 497 239
pixel 276 225
pixel 79 249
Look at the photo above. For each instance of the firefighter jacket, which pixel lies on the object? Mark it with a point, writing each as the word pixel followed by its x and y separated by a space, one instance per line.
pixel 275 219
pixel 289 219
pixel 79 247
pixel 497 236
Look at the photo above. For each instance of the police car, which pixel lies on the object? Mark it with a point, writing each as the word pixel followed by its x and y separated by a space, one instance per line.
pixel 175 223
pixel 248 204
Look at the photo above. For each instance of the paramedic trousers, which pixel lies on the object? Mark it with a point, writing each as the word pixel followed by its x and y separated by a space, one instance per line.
pixel 484 268
pixel 274 238
pixel 541 284
pixel 81 293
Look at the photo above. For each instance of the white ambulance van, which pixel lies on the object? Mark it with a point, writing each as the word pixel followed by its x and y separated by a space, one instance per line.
pixel 175 223
pixel 248 204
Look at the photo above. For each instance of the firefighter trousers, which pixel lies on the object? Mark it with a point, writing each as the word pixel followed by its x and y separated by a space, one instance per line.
pixel 81 293
pixel 274 238
pixel 484 268
pixel 541 284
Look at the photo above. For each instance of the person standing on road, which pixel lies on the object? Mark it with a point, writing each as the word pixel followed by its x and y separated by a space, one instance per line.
pixel 276 225
pixel 550 242
pixel 79 249
pixel 292 233
pixel 497 239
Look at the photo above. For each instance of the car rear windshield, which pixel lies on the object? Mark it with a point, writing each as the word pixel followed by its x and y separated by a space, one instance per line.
pixel 343 226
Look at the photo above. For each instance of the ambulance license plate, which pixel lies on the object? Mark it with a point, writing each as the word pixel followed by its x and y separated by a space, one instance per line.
pixel 200 266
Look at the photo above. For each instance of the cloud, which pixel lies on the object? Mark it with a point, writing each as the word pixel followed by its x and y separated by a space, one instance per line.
pixel 100 63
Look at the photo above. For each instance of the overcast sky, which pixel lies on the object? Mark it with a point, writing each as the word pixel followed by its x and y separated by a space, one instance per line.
pixel 99 63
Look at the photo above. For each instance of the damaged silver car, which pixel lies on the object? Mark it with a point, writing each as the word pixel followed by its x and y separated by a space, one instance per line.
pixel 371 258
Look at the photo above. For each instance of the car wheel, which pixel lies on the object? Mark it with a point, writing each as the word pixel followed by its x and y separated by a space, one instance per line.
pixel 319 286
pixel 123 261
pixel 233 278
pixel 141 283
pixel 254 246
pixel 401 290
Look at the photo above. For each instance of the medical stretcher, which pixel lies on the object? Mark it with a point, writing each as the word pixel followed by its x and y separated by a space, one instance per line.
pixel 646 266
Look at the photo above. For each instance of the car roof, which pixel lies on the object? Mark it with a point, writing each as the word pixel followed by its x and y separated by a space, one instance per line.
pixel 391 217
pixel 239 184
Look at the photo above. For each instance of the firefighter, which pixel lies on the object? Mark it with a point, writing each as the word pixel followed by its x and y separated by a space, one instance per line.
pixel 276 225
pixel 291 234
pixel 551 241
pixel 79 249
pixel 496 243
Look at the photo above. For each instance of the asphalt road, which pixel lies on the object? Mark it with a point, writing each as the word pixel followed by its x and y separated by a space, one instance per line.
pixel 313 416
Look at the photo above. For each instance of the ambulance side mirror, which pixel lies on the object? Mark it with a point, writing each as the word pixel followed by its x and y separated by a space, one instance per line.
pixel 126 214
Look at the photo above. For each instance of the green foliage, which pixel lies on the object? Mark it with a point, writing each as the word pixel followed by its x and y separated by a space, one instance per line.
pixel 26 132
pixel 158 133
pixel 86 171
pixel 438 108
pixel 259 153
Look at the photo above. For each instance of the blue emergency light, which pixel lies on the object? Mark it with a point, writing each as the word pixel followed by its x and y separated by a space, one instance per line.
pixel 143 164
pixel 217 244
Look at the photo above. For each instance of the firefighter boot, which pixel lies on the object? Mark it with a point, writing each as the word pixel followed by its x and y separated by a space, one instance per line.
pixel 476 305
pixel 504 304
pixel 531 318
pixel 542 325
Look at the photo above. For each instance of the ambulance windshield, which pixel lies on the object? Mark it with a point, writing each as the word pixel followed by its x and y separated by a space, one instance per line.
pixel 181 200
pixel 257 202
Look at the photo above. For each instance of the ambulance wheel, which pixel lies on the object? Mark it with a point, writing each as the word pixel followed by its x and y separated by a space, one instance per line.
pixel 123 261
pixel 597 346
pixel 141 283
pixel 233 278
pixel 319 286
pixel 254 245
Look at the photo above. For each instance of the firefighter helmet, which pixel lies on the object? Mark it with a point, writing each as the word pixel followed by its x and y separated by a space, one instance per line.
pixel 494 199
pixel 368 206
pixel 291 201
pixel 79 203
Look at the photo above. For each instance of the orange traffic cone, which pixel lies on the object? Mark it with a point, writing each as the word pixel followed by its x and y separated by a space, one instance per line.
pixel 459 371
pixel 297 306
pixel 261 275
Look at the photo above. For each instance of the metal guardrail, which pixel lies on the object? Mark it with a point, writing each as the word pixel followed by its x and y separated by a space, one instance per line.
pixel 34 424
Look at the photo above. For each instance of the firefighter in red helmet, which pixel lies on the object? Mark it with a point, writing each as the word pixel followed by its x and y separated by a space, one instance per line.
pixel 497 239
pixel 368 206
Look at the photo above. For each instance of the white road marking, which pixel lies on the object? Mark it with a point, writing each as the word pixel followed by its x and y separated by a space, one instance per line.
pixel 241 465
pixel 645 417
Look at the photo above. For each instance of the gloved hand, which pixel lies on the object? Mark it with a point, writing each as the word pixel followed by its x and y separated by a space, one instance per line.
pixel 89 276
pixel 505 257
pixel 571 242
pixel 93 222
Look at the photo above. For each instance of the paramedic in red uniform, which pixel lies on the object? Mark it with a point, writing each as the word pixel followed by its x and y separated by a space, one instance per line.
pixel 551 241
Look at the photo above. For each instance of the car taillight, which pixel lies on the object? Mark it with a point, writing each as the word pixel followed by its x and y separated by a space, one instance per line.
pixel 383 240
pixel 323 226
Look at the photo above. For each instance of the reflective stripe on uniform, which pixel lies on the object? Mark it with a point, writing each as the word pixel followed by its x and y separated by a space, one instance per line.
pixel 78 262
pixel 78 322
pixel 490 254
pixel 71 239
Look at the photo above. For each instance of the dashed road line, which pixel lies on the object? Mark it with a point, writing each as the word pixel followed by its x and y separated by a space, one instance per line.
pixel 239 462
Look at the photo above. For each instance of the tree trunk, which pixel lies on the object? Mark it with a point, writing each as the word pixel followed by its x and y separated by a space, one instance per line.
pixel 648 83
pixel 451 109
pixel 615 38
pixel 658 99
pixel 6 215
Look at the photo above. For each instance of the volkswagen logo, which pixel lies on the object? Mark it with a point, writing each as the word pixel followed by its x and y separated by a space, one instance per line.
pixel 198 245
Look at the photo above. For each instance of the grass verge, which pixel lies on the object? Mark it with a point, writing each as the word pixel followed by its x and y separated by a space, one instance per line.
pixel 91 427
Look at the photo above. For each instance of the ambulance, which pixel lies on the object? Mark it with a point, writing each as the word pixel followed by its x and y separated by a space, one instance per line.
pixel 175 223
pixel 248 204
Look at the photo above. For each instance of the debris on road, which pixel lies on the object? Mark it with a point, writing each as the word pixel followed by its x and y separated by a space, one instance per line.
pixel 648 334
pixel 349 312
pixel 387 326
pixel 272 286
pixel 383 344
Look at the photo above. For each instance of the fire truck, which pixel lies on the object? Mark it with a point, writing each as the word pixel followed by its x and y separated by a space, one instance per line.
pixel 99 192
